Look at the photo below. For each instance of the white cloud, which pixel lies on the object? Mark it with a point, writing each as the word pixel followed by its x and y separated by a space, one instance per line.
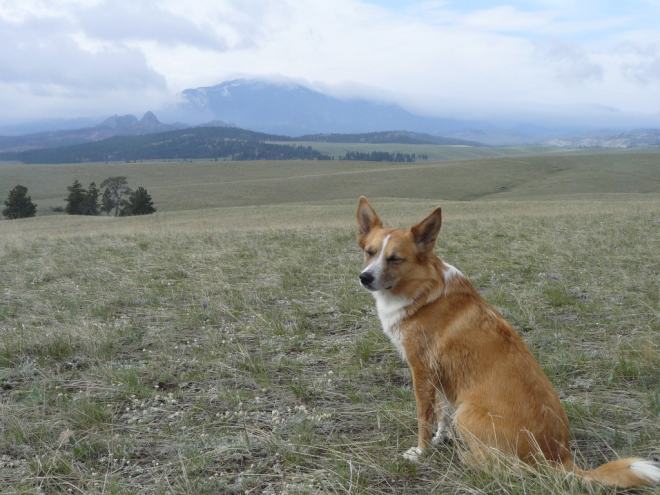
pixel 146 21
pixel 503 60
pixel 571 64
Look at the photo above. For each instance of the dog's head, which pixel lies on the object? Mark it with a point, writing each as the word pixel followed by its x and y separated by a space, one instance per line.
pixel 396 259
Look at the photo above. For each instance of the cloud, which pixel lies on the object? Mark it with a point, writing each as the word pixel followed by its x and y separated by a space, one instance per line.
pixel 570 64
pixel 142 20
pixel 40 53
pixel 445 58
pixel 642 55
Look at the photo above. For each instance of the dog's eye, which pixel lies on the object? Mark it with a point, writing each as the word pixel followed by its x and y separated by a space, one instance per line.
pixel 395 260
pixel 370 252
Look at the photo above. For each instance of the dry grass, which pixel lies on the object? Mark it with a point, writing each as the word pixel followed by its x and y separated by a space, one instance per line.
pixel 180 185
pixel 188 353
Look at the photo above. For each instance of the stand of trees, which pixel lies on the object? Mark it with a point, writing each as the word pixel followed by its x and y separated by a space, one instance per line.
pixel 82 201
pixel 381 156
pixel 139 203
pixel 19 204
pixel 117 199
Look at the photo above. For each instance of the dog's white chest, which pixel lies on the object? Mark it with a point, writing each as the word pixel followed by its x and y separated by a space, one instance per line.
pixel 391 310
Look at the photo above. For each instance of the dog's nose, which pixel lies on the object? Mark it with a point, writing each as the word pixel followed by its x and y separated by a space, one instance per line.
pixel 366 278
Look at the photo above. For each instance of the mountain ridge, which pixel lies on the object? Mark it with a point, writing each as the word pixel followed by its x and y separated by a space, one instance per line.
pixel 219 142
pixel 115 125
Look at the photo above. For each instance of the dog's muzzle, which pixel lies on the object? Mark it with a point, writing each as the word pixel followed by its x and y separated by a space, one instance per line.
pixel 366 279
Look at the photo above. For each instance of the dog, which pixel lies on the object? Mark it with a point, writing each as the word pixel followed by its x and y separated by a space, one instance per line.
pixel 464 357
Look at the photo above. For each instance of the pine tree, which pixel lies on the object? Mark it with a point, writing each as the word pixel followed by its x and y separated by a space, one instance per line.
pixel 139 203
pixel 91 203
pixel 19 204
pixel 75 201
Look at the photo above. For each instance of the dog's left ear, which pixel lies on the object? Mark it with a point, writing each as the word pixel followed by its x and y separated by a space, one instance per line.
pixel 426 232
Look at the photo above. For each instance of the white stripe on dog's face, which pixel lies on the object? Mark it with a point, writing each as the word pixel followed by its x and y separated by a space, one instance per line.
pixel 376 268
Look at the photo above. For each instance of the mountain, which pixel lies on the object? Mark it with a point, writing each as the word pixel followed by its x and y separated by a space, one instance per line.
pixel 293 109
pixel 117 125
pixel 399 137
pixel 197 142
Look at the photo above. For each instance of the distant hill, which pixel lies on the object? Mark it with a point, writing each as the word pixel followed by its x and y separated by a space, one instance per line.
pixel 199 142
pixel 399 137
pixel 221 141
pixel 638 138
pixel 117 125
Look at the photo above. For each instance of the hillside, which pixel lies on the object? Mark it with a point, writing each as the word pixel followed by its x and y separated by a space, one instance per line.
pixel 117 125
pixel 225 142
pixel 396 137
pixel 638 138
pixel 200 142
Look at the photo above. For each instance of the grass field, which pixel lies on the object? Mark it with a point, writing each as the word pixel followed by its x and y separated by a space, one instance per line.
pixel 231 350
pixel 203 184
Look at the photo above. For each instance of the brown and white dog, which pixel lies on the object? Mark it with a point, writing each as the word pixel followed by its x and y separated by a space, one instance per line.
pixel 466 358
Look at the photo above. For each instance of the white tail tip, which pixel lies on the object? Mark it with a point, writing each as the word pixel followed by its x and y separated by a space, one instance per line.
pixel 647 470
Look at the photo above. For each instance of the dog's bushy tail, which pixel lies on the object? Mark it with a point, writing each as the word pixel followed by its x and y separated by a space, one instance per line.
pixel 623 473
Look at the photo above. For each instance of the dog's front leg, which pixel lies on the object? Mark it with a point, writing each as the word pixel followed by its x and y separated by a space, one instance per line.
pixel 442 419
pixel 425 401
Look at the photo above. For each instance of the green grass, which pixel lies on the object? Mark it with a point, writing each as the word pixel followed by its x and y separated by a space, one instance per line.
pixel 232 350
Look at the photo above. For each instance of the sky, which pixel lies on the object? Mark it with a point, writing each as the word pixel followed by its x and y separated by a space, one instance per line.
pixel 531 60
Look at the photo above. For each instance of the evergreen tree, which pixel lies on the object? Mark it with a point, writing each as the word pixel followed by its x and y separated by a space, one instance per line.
pixel 75 201
pixel 19 204
pixel 107 204
pixel 116 189
pixel 91 203
pixel 139 203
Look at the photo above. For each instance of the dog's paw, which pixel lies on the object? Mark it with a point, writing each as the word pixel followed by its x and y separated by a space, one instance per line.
pixel 413 454
pixel 441 436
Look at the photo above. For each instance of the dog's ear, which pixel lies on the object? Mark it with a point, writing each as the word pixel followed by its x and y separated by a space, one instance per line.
pixel 367 219
pixel 426 232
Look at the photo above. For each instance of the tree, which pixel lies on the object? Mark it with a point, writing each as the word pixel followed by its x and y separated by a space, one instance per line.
pixel 91 203
pixel 139 203
pixel 107 204
pixel 116 189
pixel 75 201
pixel 19 204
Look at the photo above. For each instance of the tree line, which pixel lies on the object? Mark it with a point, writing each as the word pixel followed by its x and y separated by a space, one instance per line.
pixel 117 199
pixel 382 156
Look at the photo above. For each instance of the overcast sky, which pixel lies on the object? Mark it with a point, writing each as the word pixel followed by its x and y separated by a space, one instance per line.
pixel 460 58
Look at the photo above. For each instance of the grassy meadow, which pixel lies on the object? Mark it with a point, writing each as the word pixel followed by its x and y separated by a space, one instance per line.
pixel 223 344
pixel 206 184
